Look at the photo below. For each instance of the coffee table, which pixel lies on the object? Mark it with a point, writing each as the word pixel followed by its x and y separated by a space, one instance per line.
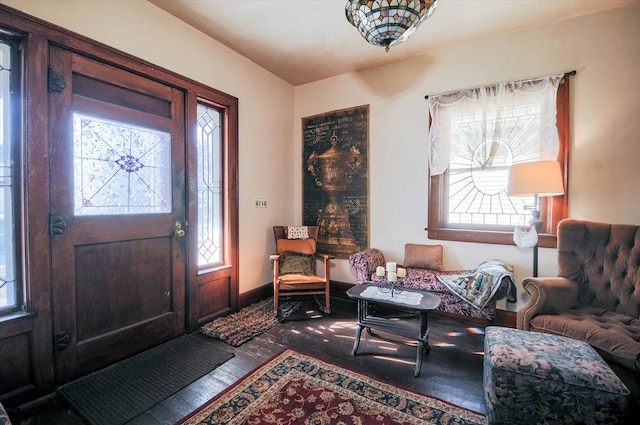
pixel 409 300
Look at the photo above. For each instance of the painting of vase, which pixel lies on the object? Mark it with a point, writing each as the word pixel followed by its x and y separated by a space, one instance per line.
pixel 335 179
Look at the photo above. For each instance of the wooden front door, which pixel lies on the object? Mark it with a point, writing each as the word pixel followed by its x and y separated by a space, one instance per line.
pixel 117 208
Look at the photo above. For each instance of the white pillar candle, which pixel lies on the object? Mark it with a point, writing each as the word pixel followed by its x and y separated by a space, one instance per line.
pixel 392 277
pixel 402 272
pixel 391 266
pixel 379 271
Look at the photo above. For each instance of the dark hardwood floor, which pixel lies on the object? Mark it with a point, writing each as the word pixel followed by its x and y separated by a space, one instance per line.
pixel 451 371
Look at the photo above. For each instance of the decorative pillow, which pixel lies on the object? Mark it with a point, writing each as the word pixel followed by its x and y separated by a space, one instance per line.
pixel 423 256
pixel 294 262
pixel 297 232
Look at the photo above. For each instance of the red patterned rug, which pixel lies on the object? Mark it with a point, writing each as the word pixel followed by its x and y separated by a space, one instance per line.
pixel 293 388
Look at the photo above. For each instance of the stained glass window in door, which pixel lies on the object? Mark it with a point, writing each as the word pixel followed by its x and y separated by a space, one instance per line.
pixel 120 168
pixel 210 213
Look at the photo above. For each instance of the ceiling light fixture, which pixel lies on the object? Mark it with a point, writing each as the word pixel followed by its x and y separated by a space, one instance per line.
pixel 388 22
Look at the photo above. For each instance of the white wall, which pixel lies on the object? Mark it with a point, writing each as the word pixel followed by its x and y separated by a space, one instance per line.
pixel 603 48
pixel 265 105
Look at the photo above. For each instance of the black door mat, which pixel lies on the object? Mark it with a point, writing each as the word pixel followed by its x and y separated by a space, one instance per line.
pixel 120 392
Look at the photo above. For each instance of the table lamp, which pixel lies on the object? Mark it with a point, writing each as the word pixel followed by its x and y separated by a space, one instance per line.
pixel 539 178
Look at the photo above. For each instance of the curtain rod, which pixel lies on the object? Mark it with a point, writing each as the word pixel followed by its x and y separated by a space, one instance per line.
pixel 566 73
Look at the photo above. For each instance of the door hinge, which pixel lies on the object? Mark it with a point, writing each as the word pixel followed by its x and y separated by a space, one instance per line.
pixel 56 225
pixel 60 341
pixel 56 82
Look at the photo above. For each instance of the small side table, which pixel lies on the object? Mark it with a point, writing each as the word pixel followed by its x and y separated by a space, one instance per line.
pixel 411 300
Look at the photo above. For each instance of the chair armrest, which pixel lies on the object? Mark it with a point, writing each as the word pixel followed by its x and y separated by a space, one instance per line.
pixel 548 295
pixel 365 262
pixel 325 257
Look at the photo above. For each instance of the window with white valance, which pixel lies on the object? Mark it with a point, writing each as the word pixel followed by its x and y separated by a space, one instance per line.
pixel 475 136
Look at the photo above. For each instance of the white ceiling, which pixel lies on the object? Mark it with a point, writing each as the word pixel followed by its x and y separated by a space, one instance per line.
pixel 302 41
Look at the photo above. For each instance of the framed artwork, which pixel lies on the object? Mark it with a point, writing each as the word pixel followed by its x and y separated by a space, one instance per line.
pixel 335 169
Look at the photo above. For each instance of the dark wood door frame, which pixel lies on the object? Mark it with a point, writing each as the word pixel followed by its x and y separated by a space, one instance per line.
pixel 29 336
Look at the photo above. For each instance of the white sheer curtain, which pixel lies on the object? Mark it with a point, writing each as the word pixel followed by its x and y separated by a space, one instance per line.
pixel 488 107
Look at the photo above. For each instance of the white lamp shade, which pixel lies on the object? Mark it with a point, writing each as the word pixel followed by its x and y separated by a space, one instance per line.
pixel 542 178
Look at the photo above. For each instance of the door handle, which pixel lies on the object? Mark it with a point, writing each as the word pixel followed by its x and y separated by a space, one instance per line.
pixel 179 226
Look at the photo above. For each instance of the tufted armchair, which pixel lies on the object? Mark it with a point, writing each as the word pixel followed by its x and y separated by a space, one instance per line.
pixel 596 296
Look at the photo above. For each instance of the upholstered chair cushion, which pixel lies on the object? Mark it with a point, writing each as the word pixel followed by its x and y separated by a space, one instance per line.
pixel 294 262
pixel 615 336
pixel 423 256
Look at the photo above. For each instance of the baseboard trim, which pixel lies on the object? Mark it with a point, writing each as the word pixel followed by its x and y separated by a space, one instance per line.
pixel 254 295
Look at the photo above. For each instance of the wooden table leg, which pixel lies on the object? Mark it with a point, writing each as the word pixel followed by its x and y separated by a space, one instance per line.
pixel 424 330
pixel 362 311
pixel 356 343
pixel 423 342
pixel 419 359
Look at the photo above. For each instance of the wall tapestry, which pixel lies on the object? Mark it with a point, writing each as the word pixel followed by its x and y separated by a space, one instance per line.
pixel 335 172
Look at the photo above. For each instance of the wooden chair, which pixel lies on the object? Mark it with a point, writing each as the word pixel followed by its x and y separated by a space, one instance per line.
pixel 294 266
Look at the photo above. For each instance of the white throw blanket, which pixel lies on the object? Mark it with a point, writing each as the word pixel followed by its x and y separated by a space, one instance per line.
pixel 480 285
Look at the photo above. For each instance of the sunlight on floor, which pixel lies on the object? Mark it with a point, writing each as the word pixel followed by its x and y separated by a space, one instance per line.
pixel 457 334
pixel 395 359
pixel 313 314
pixel 389 348
pixel 346 337
pixel 344 325
pixel 385 345
pixel 337 329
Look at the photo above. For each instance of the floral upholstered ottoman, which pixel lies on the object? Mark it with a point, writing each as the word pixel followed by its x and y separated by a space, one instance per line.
pixel 535 378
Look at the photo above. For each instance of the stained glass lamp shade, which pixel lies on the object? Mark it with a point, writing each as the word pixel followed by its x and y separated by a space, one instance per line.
pixel 388 22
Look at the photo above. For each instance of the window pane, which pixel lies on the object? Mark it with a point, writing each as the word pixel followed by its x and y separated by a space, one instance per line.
pixel 8 287
pixel 120 168
pixel 210 215
pixel 479 168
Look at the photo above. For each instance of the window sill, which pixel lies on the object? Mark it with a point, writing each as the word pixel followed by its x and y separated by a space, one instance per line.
pixel 15 316
pixel 545 240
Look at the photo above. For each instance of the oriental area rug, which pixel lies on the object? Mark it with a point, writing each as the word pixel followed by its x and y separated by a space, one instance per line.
pixel 294 388
pixel 237 328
